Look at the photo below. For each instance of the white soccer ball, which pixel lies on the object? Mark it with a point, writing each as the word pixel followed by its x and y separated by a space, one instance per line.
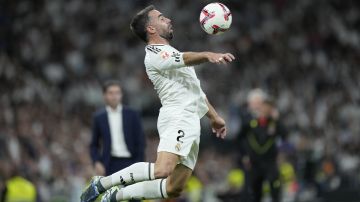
pixel 215 18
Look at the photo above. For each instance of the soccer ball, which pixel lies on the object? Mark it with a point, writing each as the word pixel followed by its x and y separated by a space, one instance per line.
pixel 215 18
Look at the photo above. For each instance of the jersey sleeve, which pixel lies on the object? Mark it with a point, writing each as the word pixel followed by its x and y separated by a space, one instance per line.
pixel 164 57
pixel 202 94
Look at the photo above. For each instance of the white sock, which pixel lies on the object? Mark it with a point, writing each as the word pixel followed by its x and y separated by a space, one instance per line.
pixel 137 172
pixel 155 189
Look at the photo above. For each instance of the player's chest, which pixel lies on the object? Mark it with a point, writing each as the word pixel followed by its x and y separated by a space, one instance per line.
pixel 185 72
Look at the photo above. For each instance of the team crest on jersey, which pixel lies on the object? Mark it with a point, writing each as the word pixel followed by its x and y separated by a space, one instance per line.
pixel 164 55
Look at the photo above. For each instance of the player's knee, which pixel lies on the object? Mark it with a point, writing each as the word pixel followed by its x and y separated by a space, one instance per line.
pixel 163 171
pixel 174 191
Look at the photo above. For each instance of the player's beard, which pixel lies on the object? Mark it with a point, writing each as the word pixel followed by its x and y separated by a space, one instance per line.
pixel 168 34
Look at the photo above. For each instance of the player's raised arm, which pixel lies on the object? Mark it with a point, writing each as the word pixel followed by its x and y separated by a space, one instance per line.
pixel 164 58
pixel 195 58
pixel 217 123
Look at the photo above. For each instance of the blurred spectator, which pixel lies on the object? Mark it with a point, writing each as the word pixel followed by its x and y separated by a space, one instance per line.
pixel 117 137
pixel 260 131
pixel 17 188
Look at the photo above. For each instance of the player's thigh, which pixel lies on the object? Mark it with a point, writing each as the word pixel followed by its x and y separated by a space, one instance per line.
pixel 165 164
pixel 177 180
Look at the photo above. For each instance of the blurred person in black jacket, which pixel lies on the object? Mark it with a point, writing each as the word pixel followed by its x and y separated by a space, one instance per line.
pixel 260 130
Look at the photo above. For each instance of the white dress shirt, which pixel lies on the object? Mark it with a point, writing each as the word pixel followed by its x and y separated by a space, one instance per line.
pixel 118 145
pixel 176 84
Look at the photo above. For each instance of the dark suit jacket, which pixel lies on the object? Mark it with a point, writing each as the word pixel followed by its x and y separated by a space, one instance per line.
pixel 100 147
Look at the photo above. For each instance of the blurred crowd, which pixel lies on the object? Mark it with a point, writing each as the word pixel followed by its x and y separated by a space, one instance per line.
pixel 54 55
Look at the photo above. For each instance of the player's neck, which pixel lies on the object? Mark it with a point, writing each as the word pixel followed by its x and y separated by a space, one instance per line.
pixel 158 40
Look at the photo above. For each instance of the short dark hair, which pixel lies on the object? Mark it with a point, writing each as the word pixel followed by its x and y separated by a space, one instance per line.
pixel 110 83
pixel 140 21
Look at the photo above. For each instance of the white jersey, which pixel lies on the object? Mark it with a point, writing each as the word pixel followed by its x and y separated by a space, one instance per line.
pixel 176 84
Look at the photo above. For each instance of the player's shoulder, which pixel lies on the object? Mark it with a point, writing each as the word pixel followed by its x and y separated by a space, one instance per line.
pixel 155 48
pixel 154 52
pixel 158 49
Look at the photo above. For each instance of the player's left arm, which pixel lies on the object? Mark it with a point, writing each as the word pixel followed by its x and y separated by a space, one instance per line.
pixel 216 121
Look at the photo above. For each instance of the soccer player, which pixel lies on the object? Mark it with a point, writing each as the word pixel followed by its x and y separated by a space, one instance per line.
pixel 183 104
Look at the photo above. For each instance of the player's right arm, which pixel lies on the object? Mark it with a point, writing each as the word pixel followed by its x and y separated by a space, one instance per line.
pixel 195 58
pixel 216 121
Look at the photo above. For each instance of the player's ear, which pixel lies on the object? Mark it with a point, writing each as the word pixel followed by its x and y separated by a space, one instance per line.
pixel 150 29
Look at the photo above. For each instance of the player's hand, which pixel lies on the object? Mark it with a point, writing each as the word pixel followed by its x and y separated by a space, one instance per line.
pixel 220 58
pixel 99 168
pixel 218 127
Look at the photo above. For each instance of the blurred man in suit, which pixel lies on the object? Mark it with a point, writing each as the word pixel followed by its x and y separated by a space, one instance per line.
pixel 117 134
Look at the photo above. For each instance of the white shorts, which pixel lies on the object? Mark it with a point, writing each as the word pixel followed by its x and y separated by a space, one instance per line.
pixel 180 134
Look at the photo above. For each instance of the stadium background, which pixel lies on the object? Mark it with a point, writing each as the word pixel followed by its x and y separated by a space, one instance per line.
pixel 305 53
